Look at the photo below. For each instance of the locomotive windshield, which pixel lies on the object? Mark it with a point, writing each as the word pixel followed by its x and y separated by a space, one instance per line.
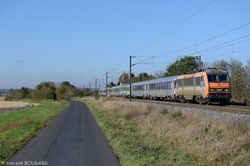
pixel 218 78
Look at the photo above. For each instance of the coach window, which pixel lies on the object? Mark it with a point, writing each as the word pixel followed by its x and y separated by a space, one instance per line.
pixel 152 86
pixel 162 85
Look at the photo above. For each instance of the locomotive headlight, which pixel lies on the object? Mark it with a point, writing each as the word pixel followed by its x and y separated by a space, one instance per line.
pixel 226 90
pixel 212 90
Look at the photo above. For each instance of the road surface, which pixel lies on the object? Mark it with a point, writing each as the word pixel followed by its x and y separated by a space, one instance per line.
pixel 73 138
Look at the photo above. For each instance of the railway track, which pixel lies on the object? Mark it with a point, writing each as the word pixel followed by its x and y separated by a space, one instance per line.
pixel 228 108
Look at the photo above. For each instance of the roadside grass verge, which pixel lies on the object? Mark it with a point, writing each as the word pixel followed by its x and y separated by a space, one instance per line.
pixel 18 127
pixel 142 134
pixel 131 143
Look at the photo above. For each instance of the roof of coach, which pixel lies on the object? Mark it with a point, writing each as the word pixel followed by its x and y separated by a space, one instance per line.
pixel 119 86
pixel 158 80
pixel 139 83
pixel 165 79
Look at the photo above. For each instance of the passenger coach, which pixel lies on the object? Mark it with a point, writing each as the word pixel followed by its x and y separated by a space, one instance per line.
pixel 162 88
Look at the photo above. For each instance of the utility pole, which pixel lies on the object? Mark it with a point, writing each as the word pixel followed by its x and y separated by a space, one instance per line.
pixel 199 63
pixel 130 76
pixel 107 83
pixel 89 85
pixel 95 84
pixel 130 72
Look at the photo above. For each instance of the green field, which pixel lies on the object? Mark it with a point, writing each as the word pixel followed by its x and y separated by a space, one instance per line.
pixel 18 127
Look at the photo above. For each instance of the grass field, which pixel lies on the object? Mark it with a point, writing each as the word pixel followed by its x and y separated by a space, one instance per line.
pixel 143 135
pixel 10 104
pixel 16 128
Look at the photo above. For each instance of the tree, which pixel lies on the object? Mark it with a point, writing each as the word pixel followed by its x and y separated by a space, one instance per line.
pixel 182 66
pixel 19 94
pixel 237 74
pixel 24 93
pixel 44 90
pixel 66 83
pixel 143 77
pixel 159 74
pixel 222 64
pixel 65 91
pixel 111 84
pixel 87 92
pixel 247 82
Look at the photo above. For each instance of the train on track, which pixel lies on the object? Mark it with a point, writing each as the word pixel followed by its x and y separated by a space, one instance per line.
pixel 208 86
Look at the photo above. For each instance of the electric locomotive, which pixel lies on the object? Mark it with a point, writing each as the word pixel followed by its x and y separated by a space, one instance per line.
pixel 209 86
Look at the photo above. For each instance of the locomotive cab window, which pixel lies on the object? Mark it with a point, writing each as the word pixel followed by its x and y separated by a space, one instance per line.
pixel 217 77
pixel 202 82
pixel 198 81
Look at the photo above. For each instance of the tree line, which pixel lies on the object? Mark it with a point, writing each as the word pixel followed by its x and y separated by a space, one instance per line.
pixel 48 90
pixel 239 75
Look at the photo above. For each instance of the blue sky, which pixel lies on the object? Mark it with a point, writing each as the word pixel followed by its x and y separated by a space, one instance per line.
pixel 80 40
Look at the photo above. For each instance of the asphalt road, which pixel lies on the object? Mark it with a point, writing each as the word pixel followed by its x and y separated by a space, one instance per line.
pixel 73 138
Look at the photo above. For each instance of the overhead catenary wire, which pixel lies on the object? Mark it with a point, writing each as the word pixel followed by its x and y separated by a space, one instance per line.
pixel 218 46
pixel 231 52
pixel 212 48
pixel 208 49
pixel 202 42
pixel 230 43
pixel 174 28
pixel 195 45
